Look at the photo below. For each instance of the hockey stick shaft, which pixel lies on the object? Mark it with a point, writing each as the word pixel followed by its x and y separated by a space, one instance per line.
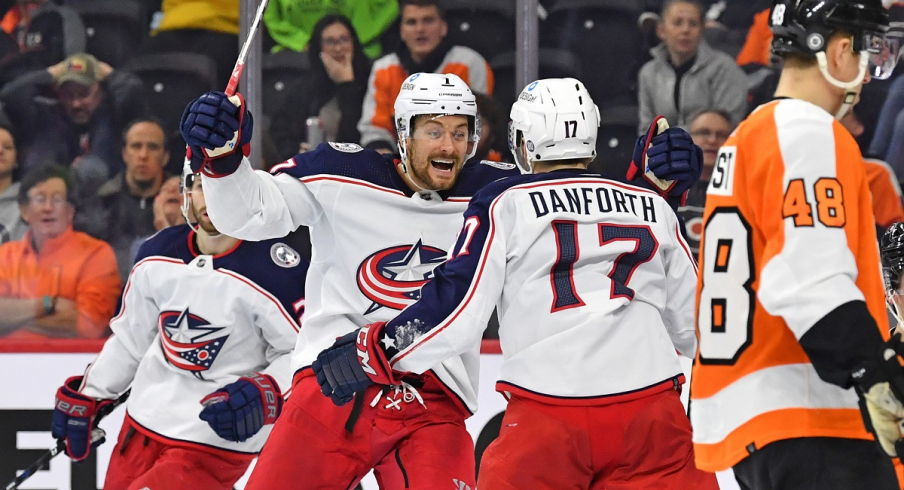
pixel 61 444
pixel 233 84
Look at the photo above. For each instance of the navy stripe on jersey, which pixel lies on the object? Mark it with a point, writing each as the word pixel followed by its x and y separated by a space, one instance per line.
pixel 369 166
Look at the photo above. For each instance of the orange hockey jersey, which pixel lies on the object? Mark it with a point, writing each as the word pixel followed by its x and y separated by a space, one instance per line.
pixel 883 185
pixel 788 236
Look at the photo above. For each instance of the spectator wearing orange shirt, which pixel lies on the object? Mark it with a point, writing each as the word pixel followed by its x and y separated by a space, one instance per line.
pixel 424 49
pixel 55 282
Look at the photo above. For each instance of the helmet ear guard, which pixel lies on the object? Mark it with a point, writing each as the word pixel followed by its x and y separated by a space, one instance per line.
pixel 185 185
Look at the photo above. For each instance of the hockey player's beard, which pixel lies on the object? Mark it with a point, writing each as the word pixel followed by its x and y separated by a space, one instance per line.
pixel 204 221
pixel 420 169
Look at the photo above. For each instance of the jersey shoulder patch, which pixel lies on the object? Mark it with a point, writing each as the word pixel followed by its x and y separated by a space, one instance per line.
pixel 346 147
pixel 284 255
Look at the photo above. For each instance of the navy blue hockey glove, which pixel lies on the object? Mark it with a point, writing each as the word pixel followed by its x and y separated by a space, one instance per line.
pixel 668 160
pixel 217 130
pixel 73 419
pixel 338 371
pixel 239 410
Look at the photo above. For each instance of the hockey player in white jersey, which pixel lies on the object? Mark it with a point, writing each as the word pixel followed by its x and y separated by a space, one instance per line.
pixel 378 227
pixel 204 335
pixel 594 286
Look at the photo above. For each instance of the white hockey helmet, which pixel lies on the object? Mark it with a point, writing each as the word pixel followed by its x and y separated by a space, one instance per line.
pixel 435 94
pixel 556 119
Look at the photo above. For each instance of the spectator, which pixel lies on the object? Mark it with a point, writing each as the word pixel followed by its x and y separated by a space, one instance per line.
pixel 55 282
pixel 888 140
pixel 340 77
pixel 424 48
pixel 709 129
pixel 883 185
pixel 685 75
pixel 168 205
pixel 81 127
pixel 37 34
pixel 208 27
pixel 122 210
pixel 493 130
pixel 11 225
pixel 292 23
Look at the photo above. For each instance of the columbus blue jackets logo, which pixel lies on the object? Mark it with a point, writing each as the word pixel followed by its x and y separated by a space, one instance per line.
pixel 189 342
pixel 393 277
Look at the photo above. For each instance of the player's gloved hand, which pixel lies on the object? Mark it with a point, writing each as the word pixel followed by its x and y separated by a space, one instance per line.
pixel 217 130
pixel 239 410
pixel 880 384
pixel 668 160
pixel 73 419
pixel 338 371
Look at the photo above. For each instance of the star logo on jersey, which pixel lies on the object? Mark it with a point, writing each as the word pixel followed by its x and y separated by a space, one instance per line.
pixel 188 341
pixel 392 277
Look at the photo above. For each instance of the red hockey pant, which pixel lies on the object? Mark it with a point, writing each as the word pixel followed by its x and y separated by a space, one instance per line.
pixel 148 462
pixel 407 445
pixel 639 444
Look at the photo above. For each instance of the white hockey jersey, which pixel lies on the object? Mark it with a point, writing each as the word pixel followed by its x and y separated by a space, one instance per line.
pixel 375 242
pixel 190 323
pixel 593 283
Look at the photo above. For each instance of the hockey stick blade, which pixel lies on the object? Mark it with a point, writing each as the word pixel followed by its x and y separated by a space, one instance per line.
pixel 96 436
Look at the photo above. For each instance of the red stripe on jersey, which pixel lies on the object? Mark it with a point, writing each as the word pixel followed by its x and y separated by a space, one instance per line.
pixel 265 293
pixel 308 180
pixel 685 247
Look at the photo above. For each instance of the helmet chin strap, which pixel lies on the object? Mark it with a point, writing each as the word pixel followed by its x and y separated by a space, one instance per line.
pixel 850 95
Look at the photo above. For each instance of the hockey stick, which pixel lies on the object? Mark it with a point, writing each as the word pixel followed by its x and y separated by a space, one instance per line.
pixel 96 435
pixel 233 84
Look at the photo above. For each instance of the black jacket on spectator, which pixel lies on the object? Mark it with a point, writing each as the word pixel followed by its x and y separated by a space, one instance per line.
pixel 46 133
pixel 55 32
pixel 118 217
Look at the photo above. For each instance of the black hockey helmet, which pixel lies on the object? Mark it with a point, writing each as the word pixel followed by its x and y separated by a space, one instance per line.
pixel 891 251
pixel 804 26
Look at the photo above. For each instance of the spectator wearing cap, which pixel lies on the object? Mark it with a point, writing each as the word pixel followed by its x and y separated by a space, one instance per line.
pixel 686 75
pixel 424 48
pixel 55 282
pixel 122 210
pixel 73 113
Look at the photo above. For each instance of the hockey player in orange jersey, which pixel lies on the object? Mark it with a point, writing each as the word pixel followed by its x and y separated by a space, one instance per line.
pixel 790 298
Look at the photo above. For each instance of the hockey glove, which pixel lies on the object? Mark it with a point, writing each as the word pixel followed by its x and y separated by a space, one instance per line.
pixel 217 130
pixel 668 160
pixel 338 371
pixel 881 388
pixel 73 418
pixel 239 410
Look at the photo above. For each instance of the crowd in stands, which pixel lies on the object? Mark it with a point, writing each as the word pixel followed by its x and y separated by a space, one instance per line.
pixel 89 165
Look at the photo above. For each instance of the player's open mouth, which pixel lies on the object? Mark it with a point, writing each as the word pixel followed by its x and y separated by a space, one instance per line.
pixel 443 165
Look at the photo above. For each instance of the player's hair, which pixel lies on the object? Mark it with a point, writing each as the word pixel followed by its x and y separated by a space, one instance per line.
pixel 712 110
pixel 424 3
pixel 667 4
pixel 146 119
pixel 42 173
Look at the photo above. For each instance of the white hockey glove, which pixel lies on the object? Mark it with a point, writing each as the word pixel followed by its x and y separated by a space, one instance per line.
pixel 881 388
